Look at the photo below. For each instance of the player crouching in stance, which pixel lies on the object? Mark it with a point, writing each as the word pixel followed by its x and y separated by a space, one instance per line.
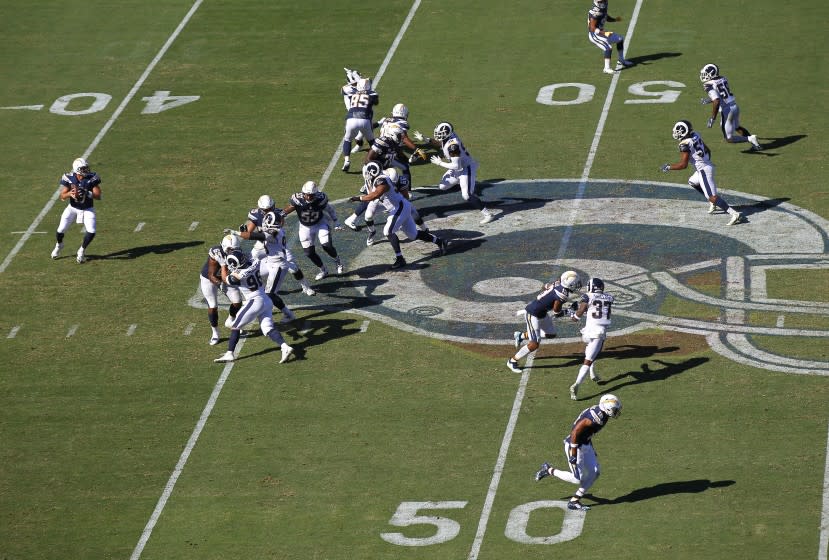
pixel 243 273
pixel 211 282
pixel 691 147
pixel 595 306
pixel 537 318
pixel 578 448
pixel 597 16
pixel 381 188
pixel 80 187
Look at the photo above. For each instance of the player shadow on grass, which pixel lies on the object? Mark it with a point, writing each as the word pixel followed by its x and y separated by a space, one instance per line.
pixel 774 143
pixel 135 252
pixel 646 59
pixel 616 382
pixel 621 352
pixel 662 489
pixel 309 330
pixel 761 206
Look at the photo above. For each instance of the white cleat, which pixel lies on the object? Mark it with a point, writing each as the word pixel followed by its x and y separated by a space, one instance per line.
pixel 488 217
pixel 309 291
pixel 573 390
pixel 321 274
pixel 754 143
pixel 214 340
pixel 609 71
pixel 623 64
pixel 226 357
pixel 56 250
pixel 81 258
pixel 351 224
pixel 229 322
pixel 712 207
pixel 594 376
pixel 735 219
pixel 340 269
pixel 286 352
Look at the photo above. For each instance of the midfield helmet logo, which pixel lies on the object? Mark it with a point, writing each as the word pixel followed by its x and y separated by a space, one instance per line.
pixel 668 263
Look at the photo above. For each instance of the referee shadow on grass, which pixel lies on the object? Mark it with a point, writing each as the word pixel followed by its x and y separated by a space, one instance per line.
pixel 662 489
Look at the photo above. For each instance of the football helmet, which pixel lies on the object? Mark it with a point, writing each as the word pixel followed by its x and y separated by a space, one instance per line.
pixel 595 285
pixel 230 242
pixel 400 111
pixel 601 4
pixel 80 166
pixel 682 129
pixel 392 130
pixel 709 72
pixel 371 171
pixel 310 187
pixel 611 405
pixel 236 260
pixel 570 280
pixel 272 221
pixel 393 175
pixel 364 85
pixel 265 202
pixel 443 131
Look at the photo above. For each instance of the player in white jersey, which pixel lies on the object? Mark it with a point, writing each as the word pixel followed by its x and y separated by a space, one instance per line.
pixel 597 16
pixel 252 224
pixel 380 187
pixel 210 282
pixel 692 148
pixel 242 272
pixel 275 265
pixel 595 306
pixel 359 118
pixel 80 187
pixel 722 101
pixel 461 167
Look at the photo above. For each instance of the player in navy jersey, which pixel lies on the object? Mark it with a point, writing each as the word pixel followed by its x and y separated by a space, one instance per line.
pixel 359 119
pixel 578 449
pixel 537 316
pixel 596 307
pixel 723 102
pixel 81 187
pixel 597 16
pixel 315 213
pixel 693 149
pixel 210 281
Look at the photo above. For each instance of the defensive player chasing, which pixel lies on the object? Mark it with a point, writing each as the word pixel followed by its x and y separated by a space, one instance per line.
pixel 80 187
pixel 691 147
pixel 537 318
pixel 595 306
pixel 723 102
pixel 578 448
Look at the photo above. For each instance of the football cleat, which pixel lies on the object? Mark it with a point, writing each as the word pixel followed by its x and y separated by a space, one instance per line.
pixel 56 250
pixel 735 219
pixel 81 258
pixel 543 472
pixel 399 262
pixel 226 357
pixel 214 340
pixel 321 274
pixel 351 222
pixel 443 246
pixel 340 268
pixel 594 376
pixel 573 390
pixel 513 365
pixel 229 322
pixel 622 63
pixel 346 165
pixel 309 291
pixel 609 71
pixel 286 352
pixel 487 217
pixel 517 336
pixel 754 143
pixel 712 207
pixel 577 505
pixel 370 238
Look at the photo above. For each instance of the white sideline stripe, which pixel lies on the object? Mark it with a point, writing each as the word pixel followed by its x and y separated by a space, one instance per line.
pixel 502 458
pixel 823 549
pixel 139 227
pixel 375 82
pixel 565 241
pixel 51 202
pixel 185 455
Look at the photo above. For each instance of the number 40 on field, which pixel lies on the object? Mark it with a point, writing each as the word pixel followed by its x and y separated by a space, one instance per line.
pixel 643 92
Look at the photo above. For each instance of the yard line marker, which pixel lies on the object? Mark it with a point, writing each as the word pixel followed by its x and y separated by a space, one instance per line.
pixel 364 326
pixel 562 250
pixel 117 113
pixel 193 226
pixel 189 329
pixel 139 227
pixel 823 549
pixel 185 455
pixel 13 332
pixel 131 329
pixel 72 330
pixel 34 232
pixel 375 82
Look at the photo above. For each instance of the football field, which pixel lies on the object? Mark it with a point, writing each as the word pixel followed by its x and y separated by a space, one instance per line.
pixel 396 431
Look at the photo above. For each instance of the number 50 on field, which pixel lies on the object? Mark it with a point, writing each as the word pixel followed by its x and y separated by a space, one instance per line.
pixel 643 92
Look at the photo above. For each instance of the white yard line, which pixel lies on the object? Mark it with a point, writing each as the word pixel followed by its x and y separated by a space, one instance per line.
pixel 117 113
pixel 823 549
pixel 562 250
pixel 375 82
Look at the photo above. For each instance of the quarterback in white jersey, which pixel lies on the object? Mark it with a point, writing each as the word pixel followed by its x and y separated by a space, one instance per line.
pixel 723 102
pixel 692 148
pixel 381 188
pixel 595 306
pixel 461 167
pixel 242 272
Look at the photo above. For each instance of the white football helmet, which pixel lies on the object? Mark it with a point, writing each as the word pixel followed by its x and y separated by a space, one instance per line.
pixel 400 111
pixel 709 72
pixel 570 280
pixel 443 131
pixel 236 260
pixel 230 242
pixel 310 187
pixel 364 85
pixel 371 171
pixel 611 405
pixel 393 175
pixel 80 166
pixel 265 202
pixel 682 129
pixel 272 221
pixel 392 130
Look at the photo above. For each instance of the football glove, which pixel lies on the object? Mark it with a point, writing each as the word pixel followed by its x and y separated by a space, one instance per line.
pixel 436 160
pixel 355 198
pixel 665 168
pixel 705 101
pixel 710 122
pixel 417 155
pixel 417 135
